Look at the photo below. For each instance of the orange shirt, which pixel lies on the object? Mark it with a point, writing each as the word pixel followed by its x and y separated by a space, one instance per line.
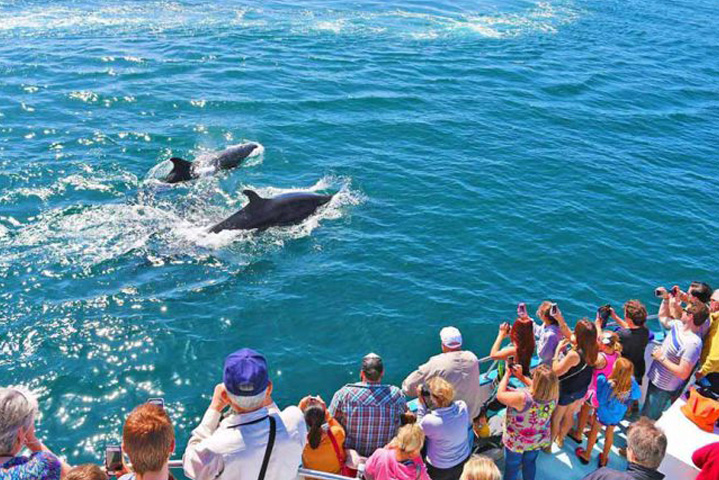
pixel 324 458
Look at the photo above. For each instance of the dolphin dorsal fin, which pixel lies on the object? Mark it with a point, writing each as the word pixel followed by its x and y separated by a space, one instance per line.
pixel 180 164
pixel 255 199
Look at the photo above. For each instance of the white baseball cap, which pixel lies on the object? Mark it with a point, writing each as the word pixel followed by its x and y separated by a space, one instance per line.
pixel 451 337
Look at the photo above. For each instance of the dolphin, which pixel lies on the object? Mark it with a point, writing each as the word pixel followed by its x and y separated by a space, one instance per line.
pixel 262 213
pixel 231 157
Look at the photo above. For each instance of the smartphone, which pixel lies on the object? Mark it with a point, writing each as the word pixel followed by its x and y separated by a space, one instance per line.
pixel 160 402
pixel 554 310
pixel 113 458
pixel 522 310
pixel 659 292
pixel 604 312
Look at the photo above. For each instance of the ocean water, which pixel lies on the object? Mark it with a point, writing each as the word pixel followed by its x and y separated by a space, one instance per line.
pixel 484 152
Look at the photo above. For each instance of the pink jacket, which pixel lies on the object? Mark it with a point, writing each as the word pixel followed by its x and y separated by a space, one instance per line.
pixel 383 465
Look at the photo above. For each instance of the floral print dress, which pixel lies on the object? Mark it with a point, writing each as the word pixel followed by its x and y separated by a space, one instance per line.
pixel 38 466
pixel 528 429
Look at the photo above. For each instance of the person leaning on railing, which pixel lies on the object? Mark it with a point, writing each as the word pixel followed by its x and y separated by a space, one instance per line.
pixel 18 409
pixel 256 440
pixel 444 422
pixel 459 367
pixel 400 459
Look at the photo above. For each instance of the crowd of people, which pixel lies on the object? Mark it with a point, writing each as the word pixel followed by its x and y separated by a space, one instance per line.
pixel 586 377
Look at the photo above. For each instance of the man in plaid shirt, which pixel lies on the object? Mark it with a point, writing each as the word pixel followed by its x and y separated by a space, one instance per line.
pixel 369 411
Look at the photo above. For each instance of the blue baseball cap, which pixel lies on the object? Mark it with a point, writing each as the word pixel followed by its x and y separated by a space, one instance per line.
pixel 246 373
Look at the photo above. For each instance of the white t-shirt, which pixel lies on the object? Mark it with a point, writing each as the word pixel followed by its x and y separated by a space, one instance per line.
pixel 679 344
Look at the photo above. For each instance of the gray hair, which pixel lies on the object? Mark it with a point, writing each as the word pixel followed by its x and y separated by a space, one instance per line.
pixel 248 403
pixel 647 442
pixel 18 409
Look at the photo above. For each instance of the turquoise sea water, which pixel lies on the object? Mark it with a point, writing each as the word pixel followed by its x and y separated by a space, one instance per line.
pixel 485 152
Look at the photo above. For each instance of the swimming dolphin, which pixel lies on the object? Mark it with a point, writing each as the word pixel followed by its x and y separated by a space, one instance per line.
pixel 262 213
pixel 231 157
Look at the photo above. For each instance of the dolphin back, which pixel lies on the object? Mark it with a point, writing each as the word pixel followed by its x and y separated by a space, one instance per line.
pixel 232 157
pixel 283 210
pixel 181 171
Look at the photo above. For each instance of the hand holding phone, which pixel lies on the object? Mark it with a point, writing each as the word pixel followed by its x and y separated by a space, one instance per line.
pixel 554 310
pixel 113 459
pixel 522 310
pixel 505 328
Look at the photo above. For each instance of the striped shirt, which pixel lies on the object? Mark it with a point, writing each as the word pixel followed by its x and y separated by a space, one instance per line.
pixel 679 344
pixel 370 414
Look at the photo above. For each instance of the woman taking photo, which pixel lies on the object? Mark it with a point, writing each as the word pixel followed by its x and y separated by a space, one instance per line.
pixel 445 424
pixel 574 365
pixel 528 418
pixel 521 348
pixel 18 409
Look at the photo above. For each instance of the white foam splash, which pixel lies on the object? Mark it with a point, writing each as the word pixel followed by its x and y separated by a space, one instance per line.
pixel 162 169
pixel 333 210
pixel 159 16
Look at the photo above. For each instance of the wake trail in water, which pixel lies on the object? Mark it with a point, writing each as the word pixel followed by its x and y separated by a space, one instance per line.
pixel 153 226
pixel 161 17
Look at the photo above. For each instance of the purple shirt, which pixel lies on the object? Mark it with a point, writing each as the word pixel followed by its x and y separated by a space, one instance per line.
pixel 548 337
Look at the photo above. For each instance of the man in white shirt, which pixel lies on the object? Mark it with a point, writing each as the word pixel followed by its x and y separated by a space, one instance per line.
pixel 256 441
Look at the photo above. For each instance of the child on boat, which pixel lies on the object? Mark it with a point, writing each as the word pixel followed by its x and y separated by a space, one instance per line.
pixel 614 395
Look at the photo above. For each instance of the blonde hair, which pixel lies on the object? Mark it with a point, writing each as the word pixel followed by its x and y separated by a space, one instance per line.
pixel 545 384
pixel 614 344
pixel 409 439
pixel 621 378
pixel 480 467
pixel 442 391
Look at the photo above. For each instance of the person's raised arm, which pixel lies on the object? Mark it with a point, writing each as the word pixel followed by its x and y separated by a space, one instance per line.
pixel 563 327
pixel 497 353
pixel 414 380
pixel 518 372
pixel 198 461
pixel 35 445
pixel 620 321
pixel 510 399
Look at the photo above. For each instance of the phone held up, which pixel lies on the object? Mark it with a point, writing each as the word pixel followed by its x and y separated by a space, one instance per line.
pixel 113 458
pixel 554 310
pixel 522 310
pixel 160 402
pixel 604 313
